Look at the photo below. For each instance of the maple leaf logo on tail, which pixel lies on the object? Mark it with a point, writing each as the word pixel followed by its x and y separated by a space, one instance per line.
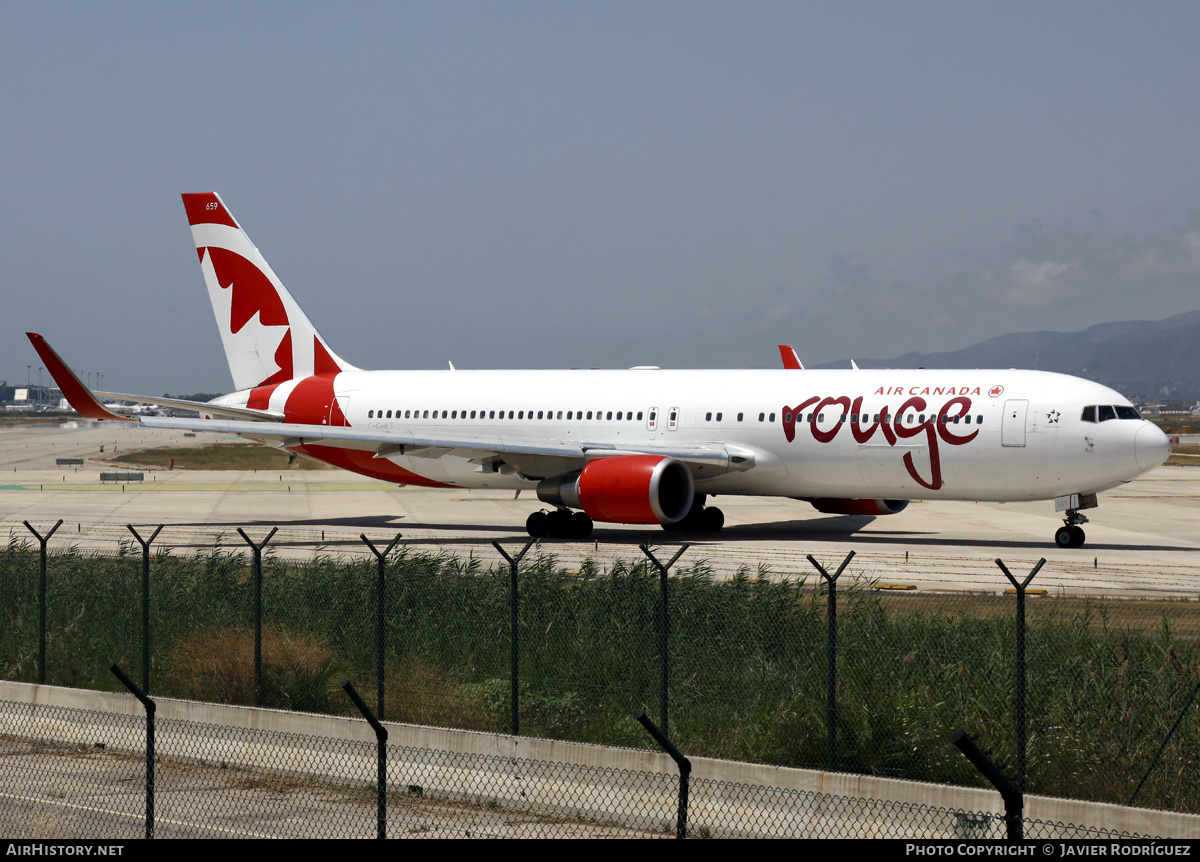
pixel 267 337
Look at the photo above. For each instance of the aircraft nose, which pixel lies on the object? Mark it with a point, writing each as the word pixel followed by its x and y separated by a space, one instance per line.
pixel 1151 447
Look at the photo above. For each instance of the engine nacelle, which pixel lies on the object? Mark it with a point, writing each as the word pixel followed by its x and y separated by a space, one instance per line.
pixel 835 506
pixel 626 489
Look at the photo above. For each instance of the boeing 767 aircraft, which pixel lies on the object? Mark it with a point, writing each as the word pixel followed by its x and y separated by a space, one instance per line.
pixel 647 446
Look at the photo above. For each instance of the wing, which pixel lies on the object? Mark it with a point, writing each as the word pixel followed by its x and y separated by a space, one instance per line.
pixel 533 457
pixel 87 403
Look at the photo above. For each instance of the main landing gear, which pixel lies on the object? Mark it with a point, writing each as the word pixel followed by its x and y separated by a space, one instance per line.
pixel 1071 535
pixel 699 519
pixel 559 524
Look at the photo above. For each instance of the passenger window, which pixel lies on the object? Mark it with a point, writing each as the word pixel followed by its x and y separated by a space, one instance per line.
pixel 787 417
pixel 569 413
pixel 639 416
pixel 771 418
pixel 370 414
pixel 979 420
pixel 521 414
pixel 609 416
pixel 761 416
pixel 560 414
pixel 589 416
pixel 619 412
pixel 707 417
pixel 719 416
pixel 1105 412
pixel 539 414
pixel 739 417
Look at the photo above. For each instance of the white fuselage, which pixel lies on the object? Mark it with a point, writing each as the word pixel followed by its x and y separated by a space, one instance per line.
pixel 930 434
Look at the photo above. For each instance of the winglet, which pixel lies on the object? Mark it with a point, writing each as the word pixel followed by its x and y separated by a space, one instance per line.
pixel 77 395
pixel 790 359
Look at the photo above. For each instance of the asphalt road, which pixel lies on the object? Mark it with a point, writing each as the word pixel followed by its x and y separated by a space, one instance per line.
pixel 1142 541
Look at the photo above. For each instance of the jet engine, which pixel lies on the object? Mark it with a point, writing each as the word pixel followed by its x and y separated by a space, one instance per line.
pixel 835 506
pixel 625 489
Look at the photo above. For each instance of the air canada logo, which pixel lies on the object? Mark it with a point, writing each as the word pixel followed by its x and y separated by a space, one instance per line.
pixel 996 391
pixel 255 307
pixel 937 425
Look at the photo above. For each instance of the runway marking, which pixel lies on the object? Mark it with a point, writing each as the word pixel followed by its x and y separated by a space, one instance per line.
pixel 128 816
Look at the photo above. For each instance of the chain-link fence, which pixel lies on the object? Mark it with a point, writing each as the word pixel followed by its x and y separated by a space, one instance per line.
pixel 748 657
pixel 73 773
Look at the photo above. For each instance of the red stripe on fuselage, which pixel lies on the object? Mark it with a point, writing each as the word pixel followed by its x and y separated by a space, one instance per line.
pixel 313 402
pixel 364 463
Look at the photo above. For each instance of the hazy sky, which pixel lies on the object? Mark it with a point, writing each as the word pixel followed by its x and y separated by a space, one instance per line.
pixel 507 184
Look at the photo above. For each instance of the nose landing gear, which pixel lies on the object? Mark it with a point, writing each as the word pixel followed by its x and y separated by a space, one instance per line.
pixel 1071 535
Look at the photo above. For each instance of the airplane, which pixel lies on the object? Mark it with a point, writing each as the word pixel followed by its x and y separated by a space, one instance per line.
pixel 646 445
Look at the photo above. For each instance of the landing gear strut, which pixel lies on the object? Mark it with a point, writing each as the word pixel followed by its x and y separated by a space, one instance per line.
pixel 699 519
pixel 1071 535
pixel 559 524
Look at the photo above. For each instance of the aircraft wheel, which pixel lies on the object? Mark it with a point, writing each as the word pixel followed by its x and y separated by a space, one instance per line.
pixel 559 525
pixel 711 520
pixel 537 526
pixel 581 525
pixel 1064 537
pixel 1077 537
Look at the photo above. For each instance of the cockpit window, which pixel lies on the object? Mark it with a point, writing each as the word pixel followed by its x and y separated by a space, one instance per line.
pixel 1105 412
pixel 1089 413
pixel 1127 413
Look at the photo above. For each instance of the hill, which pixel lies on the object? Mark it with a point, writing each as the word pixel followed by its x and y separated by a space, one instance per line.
pixel 1138 358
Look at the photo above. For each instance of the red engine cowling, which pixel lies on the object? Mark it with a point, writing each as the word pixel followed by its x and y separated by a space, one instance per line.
pixel 626 489
pixel 835 506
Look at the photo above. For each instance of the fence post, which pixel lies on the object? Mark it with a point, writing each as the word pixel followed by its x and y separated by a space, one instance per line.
pixel 514 676
pixel 150 709
pixel 663 632
pixel 831 654
pixel 1022 733
pixel 1014 797
pixel 258 668
pixel 381 736
pixel 145 543
pixel 42 599
pixel 380 592
pixel 685 772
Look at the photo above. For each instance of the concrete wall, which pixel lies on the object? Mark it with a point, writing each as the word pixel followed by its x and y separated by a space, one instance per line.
pixel 509 748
